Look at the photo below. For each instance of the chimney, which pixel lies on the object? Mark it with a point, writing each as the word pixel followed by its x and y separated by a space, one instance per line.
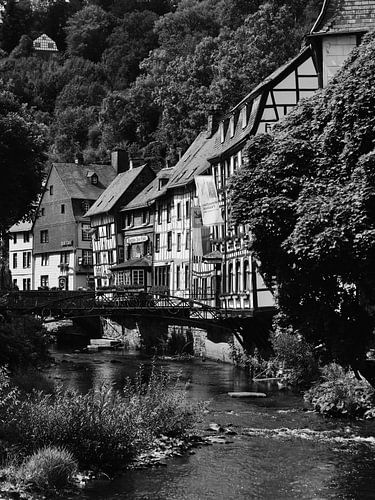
pixel 120 160
pixel 212 122
pixel 136 161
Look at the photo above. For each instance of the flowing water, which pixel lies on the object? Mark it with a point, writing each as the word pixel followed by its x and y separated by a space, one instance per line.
pixel 280 451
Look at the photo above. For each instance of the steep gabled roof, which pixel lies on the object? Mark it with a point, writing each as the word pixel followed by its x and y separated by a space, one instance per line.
pixel 114 191
pixel 21 227
pixel 253 101
pixel 193 162
pixel 78 185
pixel 345 16
pixel 44 43
pixel 150 192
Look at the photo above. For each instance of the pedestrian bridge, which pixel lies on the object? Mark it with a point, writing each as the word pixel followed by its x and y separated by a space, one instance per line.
pixel 125 306
pixel 72 304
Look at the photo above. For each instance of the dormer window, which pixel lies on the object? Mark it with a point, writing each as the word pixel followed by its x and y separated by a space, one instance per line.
pixel 221 130
pixel 93 178
pixel 231 126
pixel 243 114
pixel 162 182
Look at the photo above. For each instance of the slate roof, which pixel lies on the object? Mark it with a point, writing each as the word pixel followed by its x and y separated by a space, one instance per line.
pixel 114 191
pixel 150 192
pixel 193 162
pixel 78 185
pixel 21 227
pixel 345 16
pixel 241 134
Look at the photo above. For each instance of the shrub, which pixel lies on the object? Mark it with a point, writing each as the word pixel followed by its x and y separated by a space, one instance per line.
pixel 104 428
pixel 24 342
pixel 298 363
pixel 47 469
pixel 341 394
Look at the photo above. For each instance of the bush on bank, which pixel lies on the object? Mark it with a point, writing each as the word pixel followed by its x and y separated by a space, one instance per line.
pixel 103 429
pixel 341 394
pixel 295 358
pixel 24 342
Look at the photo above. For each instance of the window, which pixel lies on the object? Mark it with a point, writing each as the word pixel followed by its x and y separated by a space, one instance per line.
pixel 120 278
pixel 26 259
pixel 94 179
pixel 86 232
pixel 42 212
pixel 64 257
pixel 231 126
pixel 51 190
pixel 169 241
pixel 187 240
pixel 26 237
pixel 15 238
pixel 85 206
pixel 110 256
pixel 238 277
pixel 145 216
pixel 44 281
pixel 86 257
pixel 178 277
pixel 96 234
pixel 44 259
pixel 178 211
pixel 14 261
pixel 169 212
pixel 15 283
pixel 62 208
pixel 243 113
pixel 120 254
pixel 187 277
pixel 157 242
pixel 129 219
pixel 159 214
pixel 246 276
pixel 97 258
pixel 187 210
pixel 108 231
pixel 26 284
pixel 138 277
pixel 178 242
pixel 44 236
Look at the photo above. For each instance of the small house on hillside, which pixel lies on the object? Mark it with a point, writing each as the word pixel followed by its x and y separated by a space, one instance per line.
pixel 44 46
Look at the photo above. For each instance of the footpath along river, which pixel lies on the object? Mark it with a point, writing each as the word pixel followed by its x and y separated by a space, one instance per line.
pixel 280 450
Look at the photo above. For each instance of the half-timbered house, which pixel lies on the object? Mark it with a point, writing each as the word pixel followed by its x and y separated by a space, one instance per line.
pixel 338 29
pixel 106 220
pixel 138 223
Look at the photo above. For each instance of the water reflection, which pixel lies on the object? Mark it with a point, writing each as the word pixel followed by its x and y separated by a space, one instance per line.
pixel 279 464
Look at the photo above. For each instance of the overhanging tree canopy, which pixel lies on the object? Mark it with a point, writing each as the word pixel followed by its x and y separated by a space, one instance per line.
pixel 308 194
pixel 22 159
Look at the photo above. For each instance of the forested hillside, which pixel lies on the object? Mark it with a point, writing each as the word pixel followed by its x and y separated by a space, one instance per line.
pixel 143 73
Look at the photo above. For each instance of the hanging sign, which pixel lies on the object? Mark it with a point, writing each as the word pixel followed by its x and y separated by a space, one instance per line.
pixel 208 199
pixel 196 226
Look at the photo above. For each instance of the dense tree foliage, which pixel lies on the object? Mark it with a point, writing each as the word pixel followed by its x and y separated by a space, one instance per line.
pixel 166 63
pixel 308 194
pixel 22 157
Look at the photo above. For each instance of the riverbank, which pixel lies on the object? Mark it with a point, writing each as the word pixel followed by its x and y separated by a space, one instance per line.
pixel 277 449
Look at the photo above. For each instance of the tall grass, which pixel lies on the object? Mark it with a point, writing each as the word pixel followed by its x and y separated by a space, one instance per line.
pixel 104 428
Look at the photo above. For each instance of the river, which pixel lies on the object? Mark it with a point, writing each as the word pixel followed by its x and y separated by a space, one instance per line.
pixel 279 451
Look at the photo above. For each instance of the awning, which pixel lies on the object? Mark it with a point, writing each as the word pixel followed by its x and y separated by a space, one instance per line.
pixel 141 262
pixel 214 257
